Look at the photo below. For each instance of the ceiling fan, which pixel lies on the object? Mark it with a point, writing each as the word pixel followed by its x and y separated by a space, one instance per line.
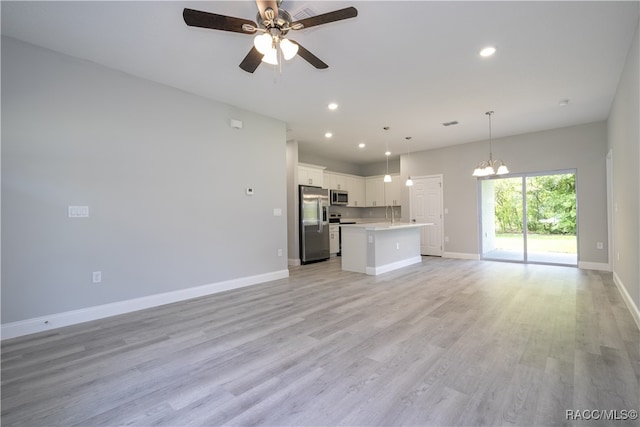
pixel 273 24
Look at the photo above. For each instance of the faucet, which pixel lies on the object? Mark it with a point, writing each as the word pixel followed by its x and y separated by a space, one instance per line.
pixel 393 214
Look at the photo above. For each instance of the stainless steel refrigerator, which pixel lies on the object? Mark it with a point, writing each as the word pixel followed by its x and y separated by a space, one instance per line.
pixel 314 224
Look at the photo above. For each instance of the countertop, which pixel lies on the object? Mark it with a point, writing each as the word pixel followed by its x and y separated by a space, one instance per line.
pixel 380 226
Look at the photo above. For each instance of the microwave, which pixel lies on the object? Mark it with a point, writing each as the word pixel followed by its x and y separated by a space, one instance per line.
pixel 339 197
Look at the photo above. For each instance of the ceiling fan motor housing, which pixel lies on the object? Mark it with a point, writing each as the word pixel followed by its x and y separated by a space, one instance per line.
pixel 282 22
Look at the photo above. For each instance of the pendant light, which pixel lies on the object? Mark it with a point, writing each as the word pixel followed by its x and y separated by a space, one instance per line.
pixel 387 177
pixel 488 167
pixel 409 182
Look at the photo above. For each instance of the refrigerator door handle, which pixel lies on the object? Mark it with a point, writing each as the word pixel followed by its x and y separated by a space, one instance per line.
pixel 320 221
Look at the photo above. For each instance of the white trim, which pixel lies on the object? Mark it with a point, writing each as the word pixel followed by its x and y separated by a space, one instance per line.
pixel 633 308
pixel 294 261
pixel 601 266
pixel 58 320
pixel 374 271
pixel 461 255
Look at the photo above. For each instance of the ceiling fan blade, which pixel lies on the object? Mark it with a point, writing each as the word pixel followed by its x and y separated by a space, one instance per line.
pixel 310 57
pixel 263 5
pixel 251 61
pixel 197 18
pixel 325 18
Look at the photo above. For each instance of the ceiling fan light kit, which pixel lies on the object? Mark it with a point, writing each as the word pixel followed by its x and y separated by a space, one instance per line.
pixel 263 42
pixel 490 167
pixel 289 49
pixel 274 23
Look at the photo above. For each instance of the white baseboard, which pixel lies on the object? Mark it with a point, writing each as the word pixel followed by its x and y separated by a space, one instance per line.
pixel 600 266
pixel 58 320
pixel 460 255
pixel 633 308
pixel 294 261
pixel 374 271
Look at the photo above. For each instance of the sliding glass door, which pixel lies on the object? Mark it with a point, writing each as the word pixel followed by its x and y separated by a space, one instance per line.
pixel 529 218
pixel 503 236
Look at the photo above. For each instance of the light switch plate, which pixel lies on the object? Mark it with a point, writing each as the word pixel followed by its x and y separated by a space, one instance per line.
pixel 277 212
pixel 78 211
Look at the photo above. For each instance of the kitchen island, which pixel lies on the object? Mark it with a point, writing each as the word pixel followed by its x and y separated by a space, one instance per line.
pixel 377 248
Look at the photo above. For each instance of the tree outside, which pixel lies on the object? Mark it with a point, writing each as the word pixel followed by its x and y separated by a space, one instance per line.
pixel 551 212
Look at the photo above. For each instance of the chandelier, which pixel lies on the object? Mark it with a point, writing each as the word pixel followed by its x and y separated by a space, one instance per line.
pixel 490 167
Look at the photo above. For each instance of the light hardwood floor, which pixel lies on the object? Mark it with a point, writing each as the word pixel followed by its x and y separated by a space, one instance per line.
pixel 444 342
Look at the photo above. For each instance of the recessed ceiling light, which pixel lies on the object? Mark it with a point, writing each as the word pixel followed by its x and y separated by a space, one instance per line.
pixel 361 145
pixel 488 51
pixel 332 106
pixel 328 135
pixel 387 153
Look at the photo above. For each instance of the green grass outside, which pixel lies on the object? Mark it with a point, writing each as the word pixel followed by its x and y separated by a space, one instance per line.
pixel 538 243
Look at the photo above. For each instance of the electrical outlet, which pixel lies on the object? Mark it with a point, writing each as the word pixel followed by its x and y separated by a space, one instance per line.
pixel 397 245
pixel 446 239
pixel 599 245
pixel 97 276
pixel 279 252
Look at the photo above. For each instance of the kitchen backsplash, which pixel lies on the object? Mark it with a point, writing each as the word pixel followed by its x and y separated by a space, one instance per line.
pixel 365 213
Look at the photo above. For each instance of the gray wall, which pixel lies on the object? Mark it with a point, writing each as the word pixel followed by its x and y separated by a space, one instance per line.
pixel 624 142
pixel 380 168
pixel 581 147
pixel 332 165
pixel 293 243
pixel 161 170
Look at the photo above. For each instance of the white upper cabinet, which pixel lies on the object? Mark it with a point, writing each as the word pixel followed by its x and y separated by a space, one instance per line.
pixel 393 191
pixel 335 181
pixel 310 175
pixel 374 191
pixel 380 193
pixel 356 189
pixel 363 192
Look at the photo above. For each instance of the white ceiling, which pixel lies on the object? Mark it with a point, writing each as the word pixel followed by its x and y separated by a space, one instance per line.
pixel 407 65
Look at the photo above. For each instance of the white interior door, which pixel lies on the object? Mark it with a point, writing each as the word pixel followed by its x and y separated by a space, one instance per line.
pixel 426 207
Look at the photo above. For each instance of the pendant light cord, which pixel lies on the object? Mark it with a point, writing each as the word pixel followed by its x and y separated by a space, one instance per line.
pixel 489 113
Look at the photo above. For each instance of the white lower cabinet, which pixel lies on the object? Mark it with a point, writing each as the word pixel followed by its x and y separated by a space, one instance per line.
pixel 334 239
